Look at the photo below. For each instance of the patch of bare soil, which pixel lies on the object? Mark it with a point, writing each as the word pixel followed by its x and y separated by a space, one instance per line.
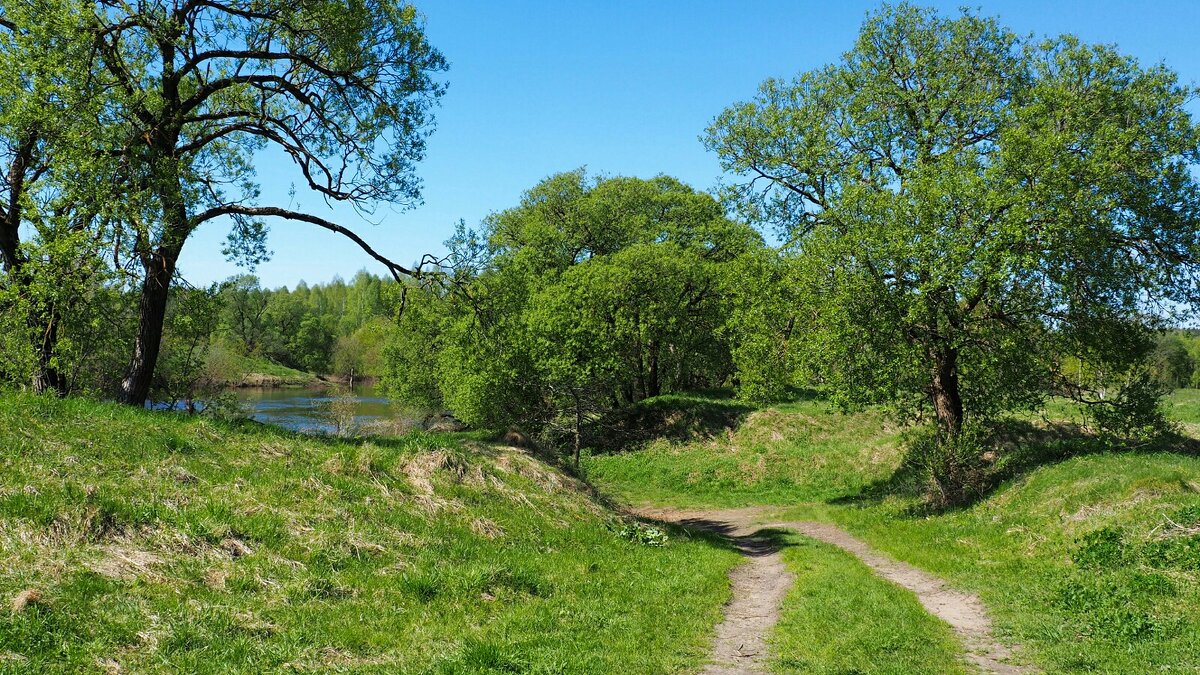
pixel 759 587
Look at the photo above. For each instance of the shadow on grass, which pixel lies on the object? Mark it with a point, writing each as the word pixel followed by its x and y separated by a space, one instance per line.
pixel 724 535
pixel 1018 448
pixel 672 417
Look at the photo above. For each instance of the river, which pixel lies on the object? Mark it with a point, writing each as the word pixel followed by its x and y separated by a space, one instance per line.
pixel 306 410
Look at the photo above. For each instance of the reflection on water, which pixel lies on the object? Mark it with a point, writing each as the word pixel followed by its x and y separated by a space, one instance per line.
pixel 306 409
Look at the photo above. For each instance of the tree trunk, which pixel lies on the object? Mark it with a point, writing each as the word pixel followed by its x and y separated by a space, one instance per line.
pixel 947 398
pixel 641 376
pixel 578 427
pixel 44 330
pixel 152 311
pixel 655 387
pixel 45 376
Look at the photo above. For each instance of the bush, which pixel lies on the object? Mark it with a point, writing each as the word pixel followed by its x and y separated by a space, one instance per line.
pixel 639 533
pixel 951 466
pixel 1136 413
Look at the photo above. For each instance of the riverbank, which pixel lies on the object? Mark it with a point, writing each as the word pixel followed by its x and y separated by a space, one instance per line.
pixel 255 372
pixel 145 542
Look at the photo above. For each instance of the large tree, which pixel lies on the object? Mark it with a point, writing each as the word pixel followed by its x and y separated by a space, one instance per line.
pixel 963 207
pixel 344 89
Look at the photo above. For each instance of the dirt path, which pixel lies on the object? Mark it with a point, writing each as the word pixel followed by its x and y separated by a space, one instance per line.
pixel 759 587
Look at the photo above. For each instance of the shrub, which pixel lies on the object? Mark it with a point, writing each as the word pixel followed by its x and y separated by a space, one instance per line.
pixel 1136 413
pixel 639 533
pixel 951 466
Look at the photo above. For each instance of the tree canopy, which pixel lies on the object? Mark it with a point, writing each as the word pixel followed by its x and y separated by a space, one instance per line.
pixel 158 109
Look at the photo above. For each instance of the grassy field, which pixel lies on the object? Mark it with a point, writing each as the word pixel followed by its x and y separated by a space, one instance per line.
pixel 150 542
pixel 135 541
pixel 796 452
pixel 1089 560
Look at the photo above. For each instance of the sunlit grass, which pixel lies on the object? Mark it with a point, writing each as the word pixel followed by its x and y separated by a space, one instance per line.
pixel 1121 601
pixel 154 543
pixel 839 617
pixel 796 452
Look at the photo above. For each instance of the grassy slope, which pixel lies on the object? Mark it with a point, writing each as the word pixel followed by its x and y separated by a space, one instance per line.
pixel 796 452
pixel 1126 602
pixel 163 544
pixel 260 372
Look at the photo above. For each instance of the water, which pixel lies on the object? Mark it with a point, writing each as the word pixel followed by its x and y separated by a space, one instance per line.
pixel 306 409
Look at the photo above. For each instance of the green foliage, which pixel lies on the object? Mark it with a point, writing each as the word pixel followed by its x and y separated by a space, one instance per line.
pixel 640 533
pixel 411 351
pixel 764 325
pixel 1136 412
pixel 184 376
pixel 1171 362
pixel 952 466
pixel 590 294
pixel 1100 548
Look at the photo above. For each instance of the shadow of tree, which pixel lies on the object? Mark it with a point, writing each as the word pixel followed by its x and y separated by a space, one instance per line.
pixel 1017 447
pixel 724 535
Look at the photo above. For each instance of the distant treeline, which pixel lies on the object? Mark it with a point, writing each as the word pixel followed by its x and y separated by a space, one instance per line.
pixel 1175 360
pixel 334 328
pixel 217 336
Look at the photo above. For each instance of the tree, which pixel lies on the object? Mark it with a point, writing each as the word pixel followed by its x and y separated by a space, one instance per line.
pixel 244 306
pixel 53 211
pixel 343 89
pixel 182 376
pixel 1170 361
pixel 964 206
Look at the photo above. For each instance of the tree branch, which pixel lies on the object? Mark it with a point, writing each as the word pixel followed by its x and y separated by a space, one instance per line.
pixel 397 271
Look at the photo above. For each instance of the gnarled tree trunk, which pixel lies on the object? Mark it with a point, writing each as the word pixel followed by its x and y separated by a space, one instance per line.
pixel 945 391
pixel 46 377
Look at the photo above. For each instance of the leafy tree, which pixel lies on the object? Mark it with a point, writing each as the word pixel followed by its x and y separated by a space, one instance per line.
pixel 765 325
pixel 344 89
pixel 411 352
pixel 244 306
pixel 963 206
pixel 183 376
pixel 53 209
pixel 312 345
pixel 1170 361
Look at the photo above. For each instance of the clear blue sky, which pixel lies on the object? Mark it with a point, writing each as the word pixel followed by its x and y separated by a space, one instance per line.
pixel 624 88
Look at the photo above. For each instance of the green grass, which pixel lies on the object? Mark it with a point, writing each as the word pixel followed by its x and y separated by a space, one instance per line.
pixel 792 453
pixel 260 372
pixel 1089 560
pixel 158 543
pixel 841 618
pixel 1183 406
pixel 1093 564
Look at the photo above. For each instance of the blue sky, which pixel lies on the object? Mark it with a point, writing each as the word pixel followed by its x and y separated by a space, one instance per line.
pixel 623 88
